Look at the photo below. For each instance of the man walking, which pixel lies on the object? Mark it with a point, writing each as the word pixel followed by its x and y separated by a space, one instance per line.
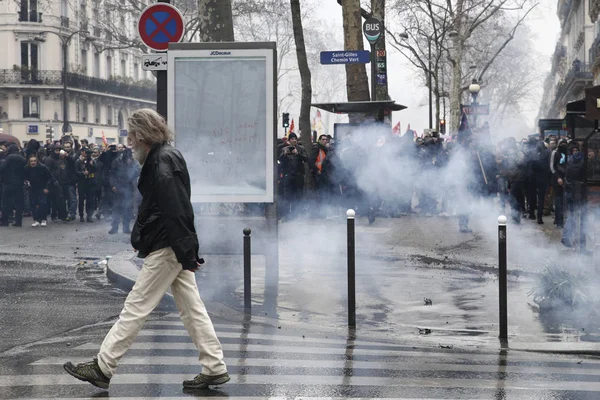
pixel 164 235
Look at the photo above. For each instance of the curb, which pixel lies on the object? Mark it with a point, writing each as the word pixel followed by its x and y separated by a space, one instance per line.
pixel 123 272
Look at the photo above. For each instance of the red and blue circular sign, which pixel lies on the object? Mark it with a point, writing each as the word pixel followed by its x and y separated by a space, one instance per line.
pixel 159 25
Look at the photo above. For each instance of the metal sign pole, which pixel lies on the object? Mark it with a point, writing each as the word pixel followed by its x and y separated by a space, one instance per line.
pixel 161 85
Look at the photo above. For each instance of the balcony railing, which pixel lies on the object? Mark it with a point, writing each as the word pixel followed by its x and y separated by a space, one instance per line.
pixel 32 16
pixel 579 72
pixel 76 81
pixel 64 22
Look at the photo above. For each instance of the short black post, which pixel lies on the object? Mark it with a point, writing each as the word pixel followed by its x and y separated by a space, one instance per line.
pixel 502 277
pixel 351 271
pixel 247 271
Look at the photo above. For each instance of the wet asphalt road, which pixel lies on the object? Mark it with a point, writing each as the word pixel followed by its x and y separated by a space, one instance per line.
pixel 53 307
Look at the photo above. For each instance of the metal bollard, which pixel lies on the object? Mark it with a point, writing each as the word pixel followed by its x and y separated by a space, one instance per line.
pixel 247 271
pixel 350 214
pixel 502 278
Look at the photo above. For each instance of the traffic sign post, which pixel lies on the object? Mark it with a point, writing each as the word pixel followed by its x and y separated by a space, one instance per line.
pixel 372 29
pixel 160 24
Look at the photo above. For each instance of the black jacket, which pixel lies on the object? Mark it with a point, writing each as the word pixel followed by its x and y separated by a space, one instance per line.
pixel 89 165
pixel 13 170
pixel 293 164
pixel 166 217
pixel 123 175
pixel 39 177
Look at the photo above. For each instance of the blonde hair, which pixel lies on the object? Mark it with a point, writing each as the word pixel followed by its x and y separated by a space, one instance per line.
pixel 147 126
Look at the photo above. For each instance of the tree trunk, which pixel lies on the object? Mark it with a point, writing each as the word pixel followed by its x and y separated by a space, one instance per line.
pixel 305 76
pixel 378 9
pixel 357 84
pixel 215 20
pixel 436 93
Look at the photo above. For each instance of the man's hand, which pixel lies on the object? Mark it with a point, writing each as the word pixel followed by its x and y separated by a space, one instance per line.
pixel 560 181
pixel 86 173
pixel 45 191
pixel 195 269
pixel 114 189
pixel 295 151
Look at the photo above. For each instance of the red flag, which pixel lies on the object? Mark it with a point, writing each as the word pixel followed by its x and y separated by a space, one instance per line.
pixel 292 126
pixel 396 129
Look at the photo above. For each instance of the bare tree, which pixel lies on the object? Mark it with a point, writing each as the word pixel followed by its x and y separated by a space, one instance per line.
pixel 357 85
pixel 454 29
pixel 215 19
pixel 305 76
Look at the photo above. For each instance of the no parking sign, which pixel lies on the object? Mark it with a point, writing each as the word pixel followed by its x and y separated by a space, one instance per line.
pixel 159 25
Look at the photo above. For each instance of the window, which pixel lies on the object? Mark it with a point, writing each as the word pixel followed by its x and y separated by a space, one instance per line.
pixel 97 113
pixel 84 61
pixel 83 18
pixel 77 111
pixel 64 13
pixel 29 11
pixel 31 107
pixel 123 68
pixel 108 67
pixel 84 111
pixel 97 65
pixel 29 62
pixel 136 71
pixel 29 55
pixel 109 115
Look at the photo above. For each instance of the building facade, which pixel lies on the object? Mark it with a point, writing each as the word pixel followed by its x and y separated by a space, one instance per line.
pixel 573 62
pixel 105 81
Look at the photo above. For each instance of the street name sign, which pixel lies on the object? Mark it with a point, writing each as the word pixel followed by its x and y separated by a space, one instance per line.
pixel 159 25
pixel 154 62
pixel 346 57
pixel 476 109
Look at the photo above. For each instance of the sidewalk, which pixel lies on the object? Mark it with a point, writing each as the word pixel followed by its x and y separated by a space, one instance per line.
pixel 398 266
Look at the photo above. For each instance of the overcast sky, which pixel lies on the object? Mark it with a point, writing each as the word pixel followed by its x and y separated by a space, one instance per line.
pixel 406 90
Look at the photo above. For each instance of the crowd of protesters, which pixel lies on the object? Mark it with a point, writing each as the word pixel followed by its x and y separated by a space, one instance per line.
pixel 395 175
pixel 57 180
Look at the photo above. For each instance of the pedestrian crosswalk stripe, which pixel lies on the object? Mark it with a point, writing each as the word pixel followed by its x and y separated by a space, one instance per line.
pixel 308 350
pixel 355 365
pixel 250 379
pixel 296 338
pixel 261 398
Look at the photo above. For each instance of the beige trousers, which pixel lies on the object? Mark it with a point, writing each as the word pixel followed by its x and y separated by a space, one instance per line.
pixel 160 271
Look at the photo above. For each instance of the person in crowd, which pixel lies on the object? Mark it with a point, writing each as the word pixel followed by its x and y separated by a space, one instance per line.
pixel 165 236
pixel 320 166
pixel 12 175
pixel 540 177
pixel 40 180
pixel 292 159
pixel 575 194
pixel 67 178
pixel 593 164
pixel 85 169
pixel 57 200
pixel 558 164
pixel 124 173
pixel 107 157
pixel 99 180
pixel 516 170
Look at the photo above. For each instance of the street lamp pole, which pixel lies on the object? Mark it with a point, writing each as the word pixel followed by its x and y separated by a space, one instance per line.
pixel 65 50
pixel 474 89
pixel 65 69
pixel 429 84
